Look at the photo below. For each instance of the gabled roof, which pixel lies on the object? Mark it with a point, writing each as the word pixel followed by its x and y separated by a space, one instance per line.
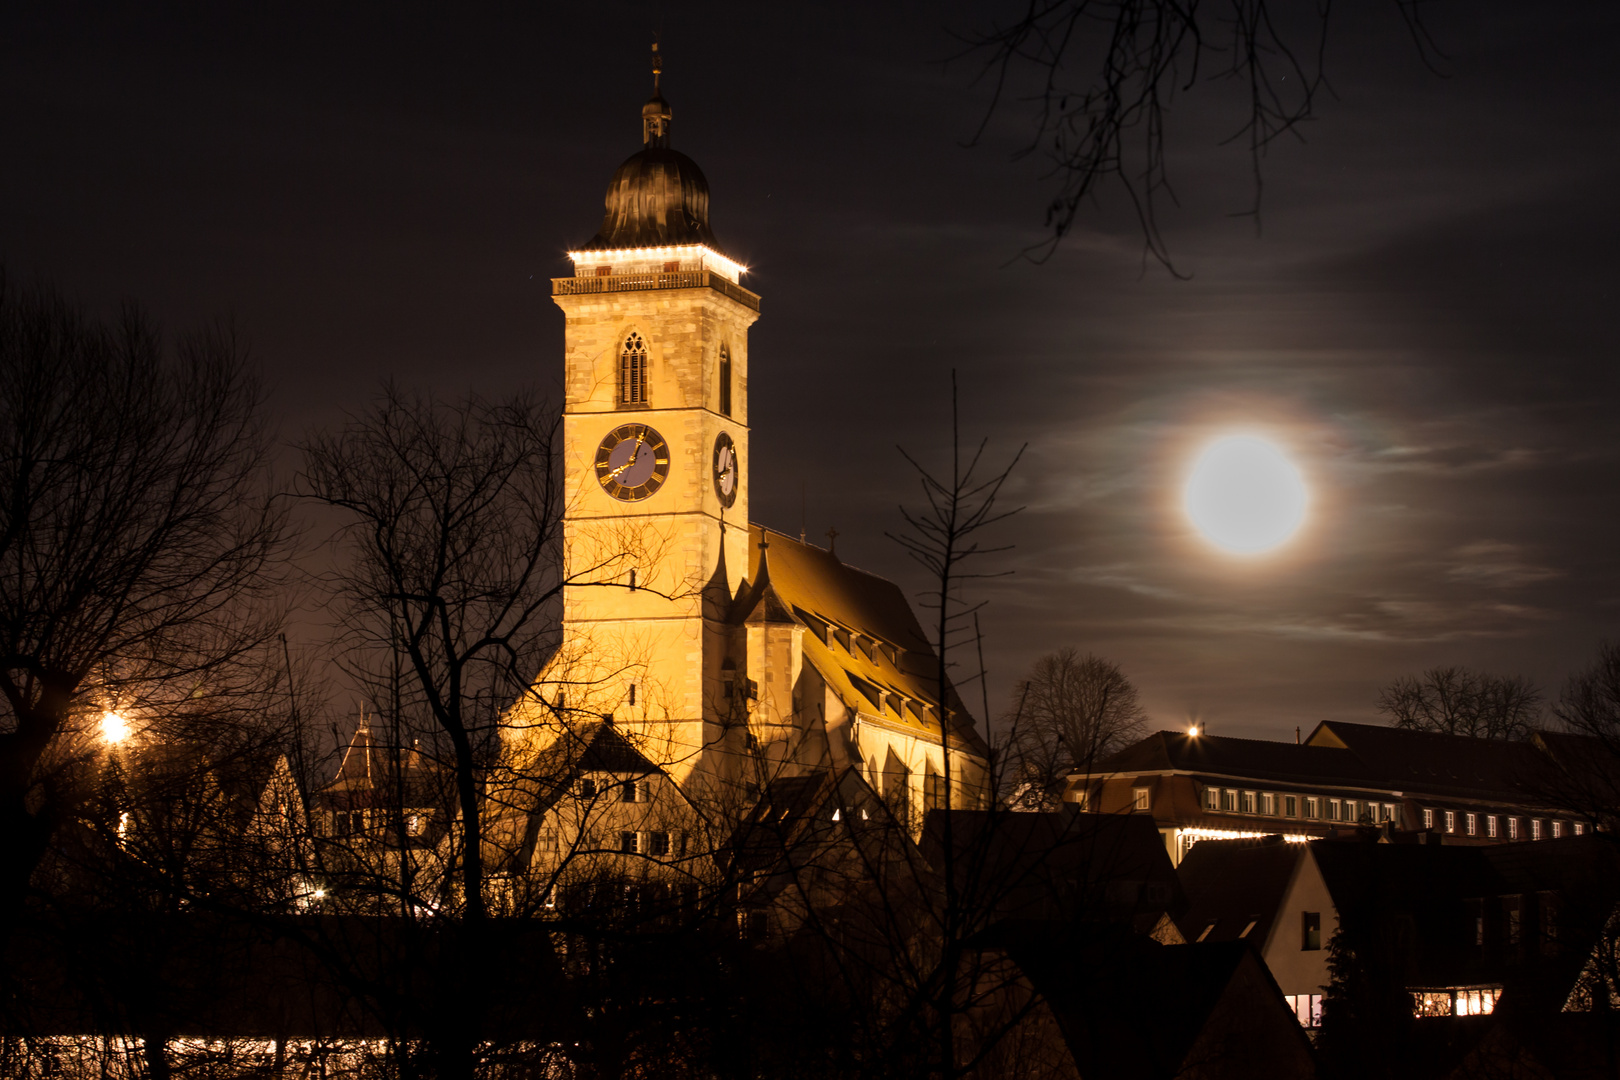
pixel 810 586
pixel 1131 1007
pixel 594 747
pixel 1231 883
pixel 368 766
pixel 796 813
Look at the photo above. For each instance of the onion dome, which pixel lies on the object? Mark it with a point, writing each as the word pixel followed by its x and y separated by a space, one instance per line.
pixel 658 197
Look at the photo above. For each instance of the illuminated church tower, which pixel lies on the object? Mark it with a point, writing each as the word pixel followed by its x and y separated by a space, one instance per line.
pixel 718 648
pixel 655 436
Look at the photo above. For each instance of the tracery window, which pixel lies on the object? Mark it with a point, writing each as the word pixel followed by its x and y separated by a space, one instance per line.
pixel 633 371
pixel 725 380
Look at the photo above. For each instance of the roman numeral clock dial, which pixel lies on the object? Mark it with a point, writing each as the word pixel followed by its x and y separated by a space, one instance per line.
pixel 632 462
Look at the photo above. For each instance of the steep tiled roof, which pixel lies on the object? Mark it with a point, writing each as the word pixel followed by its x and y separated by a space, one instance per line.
pixel 888 668
pixel 368 766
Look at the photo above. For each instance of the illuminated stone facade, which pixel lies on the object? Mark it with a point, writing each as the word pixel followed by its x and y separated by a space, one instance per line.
pixel 722 652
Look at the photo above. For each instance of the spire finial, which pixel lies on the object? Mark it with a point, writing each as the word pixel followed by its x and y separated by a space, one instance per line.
pixel 655 115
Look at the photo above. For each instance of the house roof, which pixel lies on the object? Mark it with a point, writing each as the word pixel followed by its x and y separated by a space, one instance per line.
pixel 1066 864
pixel 368 765
pixel 1231 883
pixel 888 668
pixel 1145 1016
pixel 1223 755
pixel 1430 761
pixel 1347 755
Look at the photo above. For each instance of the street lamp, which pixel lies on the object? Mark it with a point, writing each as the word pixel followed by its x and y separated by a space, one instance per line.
pixel 114 728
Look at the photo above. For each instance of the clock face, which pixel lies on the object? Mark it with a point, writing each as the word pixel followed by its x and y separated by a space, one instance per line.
pixel 726 470
pixel 633 462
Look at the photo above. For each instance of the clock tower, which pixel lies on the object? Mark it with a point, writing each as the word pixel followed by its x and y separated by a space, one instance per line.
pixel 655 444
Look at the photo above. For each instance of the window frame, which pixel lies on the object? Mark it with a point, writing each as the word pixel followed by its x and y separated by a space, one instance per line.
pixel 1310 931
pixel 635 363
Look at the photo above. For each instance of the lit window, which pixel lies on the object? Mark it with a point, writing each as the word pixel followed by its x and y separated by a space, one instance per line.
pixel 1471 823
pixel 1451 821
pixel 1350 810
pixel 1268 804
pixel 1307 1009
pixel 1248 802
pixel 1580 828
pixel 1428 818
pixel 1535 828
pixel 1313 807
pixel 1229 800
pixel 1431 1003
pixel 1212 799
pixel 1290 806
pixel 1335 810
pixel 1392 813
pixel 1490 824
pixel 629 843
pixel 1513 828
pixel 1558 829
pixel 633 371
pixel 1139 798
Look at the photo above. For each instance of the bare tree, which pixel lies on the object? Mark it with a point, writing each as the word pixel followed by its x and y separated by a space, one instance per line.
pixel 450 537
pixel 139 545
pixel 1458 701
pixel 1099 77
pixel 1076 710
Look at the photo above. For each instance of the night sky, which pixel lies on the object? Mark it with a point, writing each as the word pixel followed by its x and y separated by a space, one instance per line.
pixel 1427 321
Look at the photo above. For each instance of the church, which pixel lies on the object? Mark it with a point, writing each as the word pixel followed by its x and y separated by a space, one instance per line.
pixel 730 655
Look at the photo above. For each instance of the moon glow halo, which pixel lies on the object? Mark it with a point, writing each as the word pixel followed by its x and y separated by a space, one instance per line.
pixel 1244 496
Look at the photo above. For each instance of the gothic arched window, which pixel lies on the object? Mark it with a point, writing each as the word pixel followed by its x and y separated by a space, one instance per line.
pixel 633 371
pixel 725 380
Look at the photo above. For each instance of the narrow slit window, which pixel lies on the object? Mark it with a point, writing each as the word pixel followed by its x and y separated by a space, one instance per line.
pixel 725 380
pixel 633 371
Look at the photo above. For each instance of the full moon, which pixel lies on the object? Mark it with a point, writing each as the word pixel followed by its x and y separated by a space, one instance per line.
pixel 1244 495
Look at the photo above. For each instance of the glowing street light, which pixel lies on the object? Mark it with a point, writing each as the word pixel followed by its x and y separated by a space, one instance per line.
pixel 114 728
pixel 1193 730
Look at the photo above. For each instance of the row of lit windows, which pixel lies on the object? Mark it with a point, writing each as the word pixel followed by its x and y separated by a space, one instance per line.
pixel 634 367
pixel 1306 807
pixel 1495 826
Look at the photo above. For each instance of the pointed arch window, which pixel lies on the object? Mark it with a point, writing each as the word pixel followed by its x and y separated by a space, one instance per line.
pixel 725 380
pixel 633 371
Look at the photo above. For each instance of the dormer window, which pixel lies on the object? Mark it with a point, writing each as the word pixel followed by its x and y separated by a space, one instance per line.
pixel 633 371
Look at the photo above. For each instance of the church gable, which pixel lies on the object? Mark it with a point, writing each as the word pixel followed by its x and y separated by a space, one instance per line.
pixel 861 636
